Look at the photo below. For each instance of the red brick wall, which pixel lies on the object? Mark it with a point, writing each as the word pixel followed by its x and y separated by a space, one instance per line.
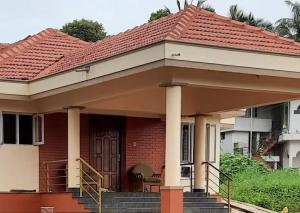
pixel 145 144
pixel 56 141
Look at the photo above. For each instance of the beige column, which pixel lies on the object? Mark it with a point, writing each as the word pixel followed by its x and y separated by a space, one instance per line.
pixel 173 124
pixel 200 150
pixel 73 147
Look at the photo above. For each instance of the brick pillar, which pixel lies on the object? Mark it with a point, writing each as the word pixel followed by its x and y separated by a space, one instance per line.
pixel 171 199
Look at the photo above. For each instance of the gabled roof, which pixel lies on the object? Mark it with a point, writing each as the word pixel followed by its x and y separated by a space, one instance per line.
pixel 52 52
pixel 25 59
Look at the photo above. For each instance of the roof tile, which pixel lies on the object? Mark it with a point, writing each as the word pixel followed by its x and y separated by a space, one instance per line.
pixel 52 52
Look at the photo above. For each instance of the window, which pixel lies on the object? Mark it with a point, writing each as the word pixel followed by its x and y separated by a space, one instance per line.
pixel 187 143
pixel 9 128
pixel 25 129
pixel 222 135
pixel 38 131
pixel 21 129
pixel 211 140
pixel 186 171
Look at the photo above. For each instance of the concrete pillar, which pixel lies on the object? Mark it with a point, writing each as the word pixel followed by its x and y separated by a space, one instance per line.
pixel 73 147
pixel 173 128
pixel 290 161
pixel 172 192
pixel 200 152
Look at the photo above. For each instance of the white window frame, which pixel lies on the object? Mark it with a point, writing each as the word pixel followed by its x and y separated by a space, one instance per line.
pixel 191 142
pixel 35 142
pixel 17 128
pixel 211 158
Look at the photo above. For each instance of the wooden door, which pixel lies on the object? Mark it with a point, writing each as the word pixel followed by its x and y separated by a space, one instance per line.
pixel 106 150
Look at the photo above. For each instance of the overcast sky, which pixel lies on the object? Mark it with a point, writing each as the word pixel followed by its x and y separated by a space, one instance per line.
pixel 19 18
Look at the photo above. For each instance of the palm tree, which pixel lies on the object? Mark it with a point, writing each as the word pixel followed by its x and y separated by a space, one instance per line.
pixel 239 15
pixel 290 27
pixel 200 4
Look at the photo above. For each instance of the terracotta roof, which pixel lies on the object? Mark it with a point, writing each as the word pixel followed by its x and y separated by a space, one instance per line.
pixel 25 59
pixel 192 25
pixel 3 47
pixel 52 52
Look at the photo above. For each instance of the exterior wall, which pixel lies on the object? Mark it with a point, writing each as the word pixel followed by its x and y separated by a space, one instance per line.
pixel 19 167
pixel 258 125
pixel 56 141
pixel 242 138
pixel 145 143
pixel 291 154
pixel 31 202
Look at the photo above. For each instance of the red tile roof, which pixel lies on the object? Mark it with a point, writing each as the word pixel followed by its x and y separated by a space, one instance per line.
pixel 52 52
pixel 27 58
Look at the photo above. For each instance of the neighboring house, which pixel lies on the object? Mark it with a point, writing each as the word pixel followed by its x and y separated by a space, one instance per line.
pixel 152 95
pixel 275 133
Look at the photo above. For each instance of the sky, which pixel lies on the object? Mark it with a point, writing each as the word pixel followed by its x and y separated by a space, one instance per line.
pixel 20 18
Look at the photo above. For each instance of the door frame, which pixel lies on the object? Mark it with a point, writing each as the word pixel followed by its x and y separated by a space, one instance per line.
pixel 120 123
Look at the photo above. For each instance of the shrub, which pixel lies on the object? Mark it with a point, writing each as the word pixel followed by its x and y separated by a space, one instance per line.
pixel 235 164
pixel 252 183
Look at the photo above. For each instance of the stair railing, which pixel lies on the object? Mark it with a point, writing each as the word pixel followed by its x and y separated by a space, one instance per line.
pixel 91 182
pixel 222 178
pixel 56 174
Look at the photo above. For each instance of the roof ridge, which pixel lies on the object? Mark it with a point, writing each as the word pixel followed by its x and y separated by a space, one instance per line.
pixel 69 36
pixel 140 26
pixel 253 28
pixel 23 44
pixel 184 21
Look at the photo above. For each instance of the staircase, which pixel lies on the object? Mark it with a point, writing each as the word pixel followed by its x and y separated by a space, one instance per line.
pixel 149 202
pixel 267 147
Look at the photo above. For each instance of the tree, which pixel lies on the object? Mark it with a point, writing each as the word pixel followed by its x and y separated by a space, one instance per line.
pixel 239 15
pixel 200 4
pixel 85 30
pixel 290 27
pixel 159 14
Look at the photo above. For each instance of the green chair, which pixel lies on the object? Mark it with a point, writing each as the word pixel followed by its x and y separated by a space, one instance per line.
pixel 146 176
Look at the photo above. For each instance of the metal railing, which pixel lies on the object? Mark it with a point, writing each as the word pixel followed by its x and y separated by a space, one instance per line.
pixel 223 180
pixel 56 175
pixel 91 182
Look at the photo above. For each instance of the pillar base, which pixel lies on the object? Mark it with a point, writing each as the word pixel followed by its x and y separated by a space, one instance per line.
pixel 171 199
pixel 74 191
pixel 198 190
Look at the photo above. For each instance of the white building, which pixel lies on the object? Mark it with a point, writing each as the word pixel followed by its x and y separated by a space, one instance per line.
pixel 275 133
pixel 290 137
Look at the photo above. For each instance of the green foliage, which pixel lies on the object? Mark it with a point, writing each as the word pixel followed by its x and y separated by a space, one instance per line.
pixel 239 15
pixel 159 14
pixel 290 27
pixel 85 30
pixel 235 164
pixel 252 183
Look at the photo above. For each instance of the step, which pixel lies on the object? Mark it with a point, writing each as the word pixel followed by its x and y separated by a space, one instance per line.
pixel 131 210
pixel 205 210
pixel 141 204
pixel 203 204
pixel 194 194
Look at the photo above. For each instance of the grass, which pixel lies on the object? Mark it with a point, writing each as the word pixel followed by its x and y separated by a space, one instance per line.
pixel 271 190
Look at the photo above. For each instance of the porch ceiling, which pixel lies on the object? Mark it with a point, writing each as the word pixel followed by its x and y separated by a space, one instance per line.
pixel 204 92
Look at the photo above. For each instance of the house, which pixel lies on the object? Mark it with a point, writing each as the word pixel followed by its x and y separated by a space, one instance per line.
pixel 274 130
pixel 97 109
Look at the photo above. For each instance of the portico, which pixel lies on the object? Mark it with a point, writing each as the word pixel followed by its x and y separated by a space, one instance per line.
pixel 120 102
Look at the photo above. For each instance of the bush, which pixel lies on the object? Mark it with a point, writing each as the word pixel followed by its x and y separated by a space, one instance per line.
pixel 235 164
pixel 256 185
